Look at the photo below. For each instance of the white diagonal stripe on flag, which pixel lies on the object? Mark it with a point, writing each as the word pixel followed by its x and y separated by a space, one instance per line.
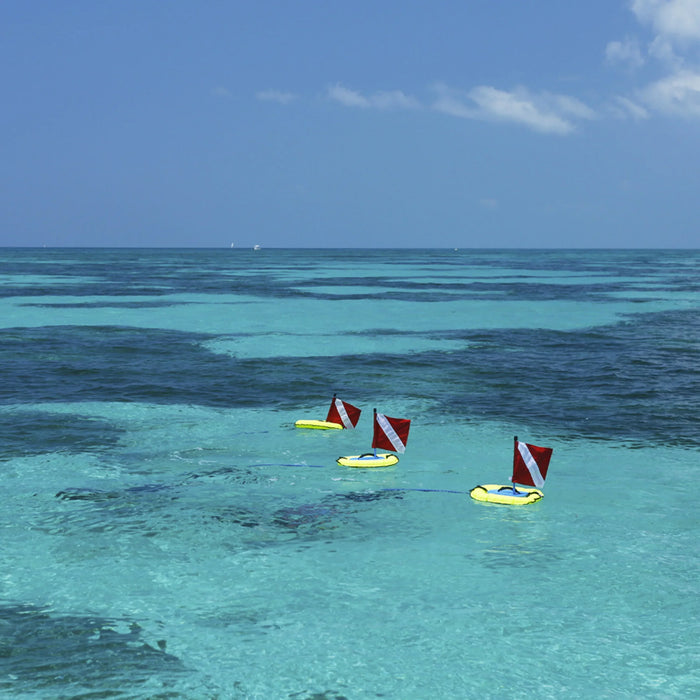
pixel 389 431
pixel 344 417
pixel 531 465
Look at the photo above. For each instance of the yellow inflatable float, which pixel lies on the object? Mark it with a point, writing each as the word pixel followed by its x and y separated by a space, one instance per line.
pixel 370 459
pixel 530 464
pixel 341 414
pixel 497 493
pixel 389 434
pixel 318 425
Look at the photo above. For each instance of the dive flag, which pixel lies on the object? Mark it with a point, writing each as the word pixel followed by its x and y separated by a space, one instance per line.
pixel 530 464
pixel 343 413
pixel 390 433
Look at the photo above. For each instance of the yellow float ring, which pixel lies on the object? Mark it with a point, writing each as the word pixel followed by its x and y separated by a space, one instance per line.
pixel 318 425
pixel 368 460
pixel 497 493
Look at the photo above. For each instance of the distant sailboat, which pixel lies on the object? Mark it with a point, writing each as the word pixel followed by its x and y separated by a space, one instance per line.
pixel 232 245
pixel 256 247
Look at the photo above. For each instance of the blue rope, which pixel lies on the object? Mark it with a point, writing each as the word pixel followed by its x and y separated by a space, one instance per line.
pixel 428 490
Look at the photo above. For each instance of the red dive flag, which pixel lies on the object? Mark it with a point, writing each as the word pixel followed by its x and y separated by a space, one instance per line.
pixel 390 433
pixel 530 464
pixel 343 413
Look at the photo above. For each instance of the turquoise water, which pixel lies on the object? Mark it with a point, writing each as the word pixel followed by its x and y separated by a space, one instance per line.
pixel 167 532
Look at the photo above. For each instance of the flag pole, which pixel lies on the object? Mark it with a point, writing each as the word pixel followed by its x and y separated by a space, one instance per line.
pixel 373 425
pixel 515 449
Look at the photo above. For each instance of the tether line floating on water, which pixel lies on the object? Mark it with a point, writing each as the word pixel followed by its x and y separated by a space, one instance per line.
pixel 464 493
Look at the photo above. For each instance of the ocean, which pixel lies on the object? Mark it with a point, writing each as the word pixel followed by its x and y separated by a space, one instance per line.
pixel 166 531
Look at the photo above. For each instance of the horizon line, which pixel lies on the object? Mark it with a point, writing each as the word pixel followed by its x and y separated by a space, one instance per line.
pixel 363 248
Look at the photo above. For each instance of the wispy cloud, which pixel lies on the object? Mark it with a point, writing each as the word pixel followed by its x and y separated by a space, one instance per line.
pixel 543 112
pixel 347 97
pixel 625 108
pixel 220 91
pixel 674 45
pixel 626 53
pixel 395 99
pixel 675 19
pixel 676 36
pixel 676 27
pixel 276 96
pixel 678 94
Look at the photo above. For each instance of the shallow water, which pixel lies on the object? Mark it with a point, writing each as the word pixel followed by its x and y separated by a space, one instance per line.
pixel 168 533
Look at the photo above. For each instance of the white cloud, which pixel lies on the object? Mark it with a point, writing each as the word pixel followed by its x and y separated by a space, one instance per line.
pixel 545 112
pixel 569 105
pixel 395 99
pixel 451 102
pixel 276 96
pixel 624 108
pixel 677 94
pixel 677 19
pixel 347 97
pixel 626 53
pixel 676 27
pixel 662 49
pixel 676 36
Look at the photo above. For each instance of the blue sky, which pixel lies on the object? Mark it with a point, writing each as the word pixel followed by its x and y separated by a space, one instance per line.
pixel 321 123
